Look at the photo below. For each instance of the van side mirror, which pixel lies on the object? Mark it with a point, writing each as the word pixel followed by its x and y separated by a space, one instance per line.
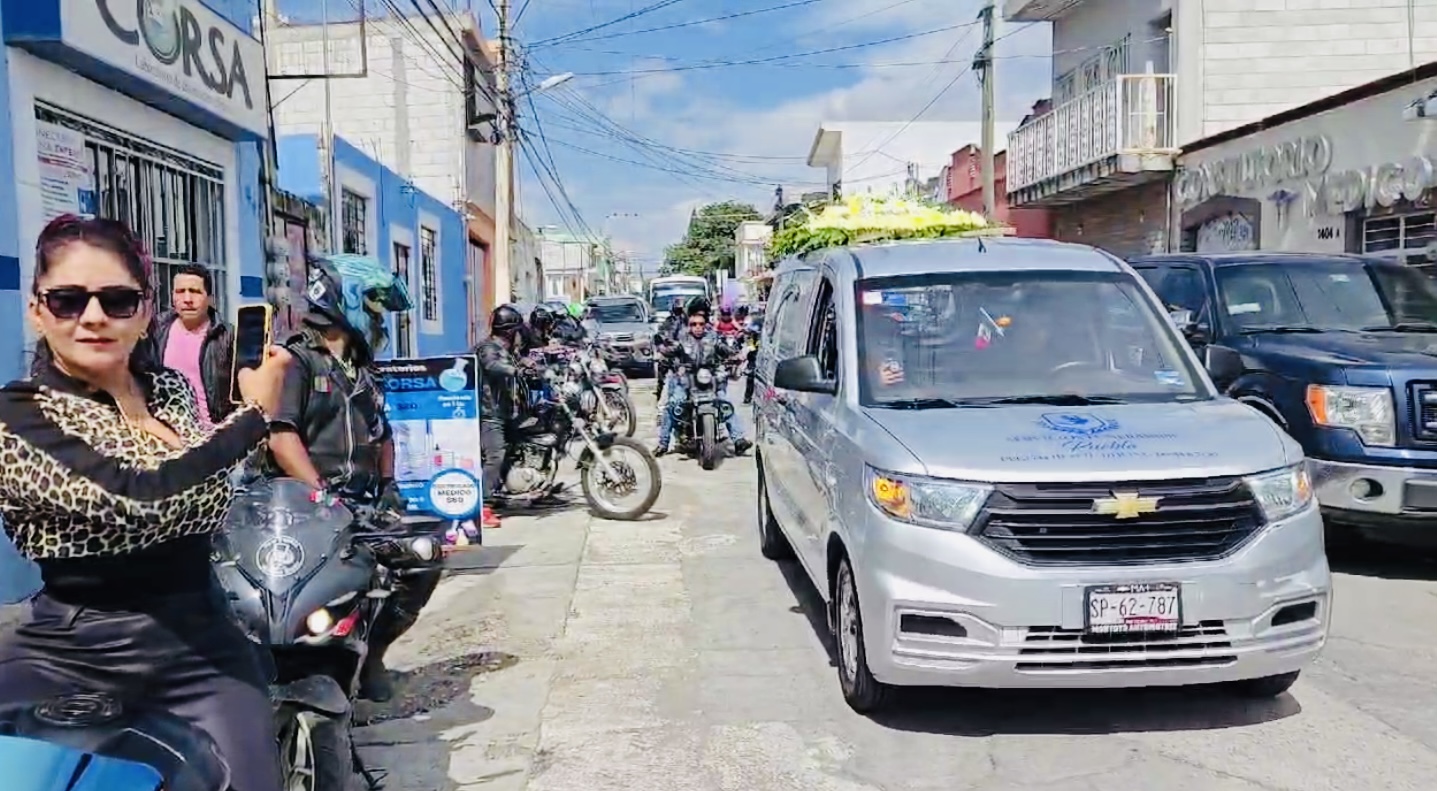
pixel 804 375
pixel 1187 324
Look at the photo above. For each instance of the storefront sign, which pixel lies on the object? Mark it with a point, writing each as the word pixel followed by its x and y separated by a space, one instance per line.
pixel 433 407
pixel 1370 187
pixel 67 180
pixel 1256 169
pixel 178 45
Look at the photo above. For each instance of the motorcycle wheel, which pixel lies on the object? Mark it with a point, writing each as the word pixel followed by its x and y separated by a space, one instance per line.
pixel 708 442
pixel 591 479
pixel 315 752
pixel 627 421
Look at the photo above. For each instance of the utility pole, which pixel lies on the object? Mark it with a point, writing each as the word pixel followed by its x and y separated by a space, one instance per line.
pixel 504 164
pixel 983 64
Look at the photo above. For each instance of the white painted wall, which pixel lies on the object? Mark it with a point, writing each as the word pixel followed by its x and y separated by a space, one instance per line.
pixel 409 111
pixel 1083 32
pixel 1363 135
pixel 32 78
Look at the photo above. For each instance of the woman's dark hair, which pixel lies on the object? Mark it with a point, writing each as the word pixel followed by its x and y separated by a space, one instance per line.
pixel 104 234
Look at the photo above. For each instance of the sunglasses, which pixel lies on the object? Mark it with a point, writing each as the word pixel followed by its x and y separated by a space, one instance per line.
pixel 697 323
pixel 71 302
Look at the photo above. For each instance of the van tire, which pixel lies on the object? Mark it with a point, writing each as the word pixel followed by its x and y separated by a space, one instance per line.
pixel 1265 687
pixel 861 691
pixel 772 543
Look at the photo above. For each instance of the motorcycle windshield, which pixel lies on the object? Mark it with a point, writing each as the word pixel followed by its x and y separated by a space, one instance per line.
pixel 41 766
pixel 278 536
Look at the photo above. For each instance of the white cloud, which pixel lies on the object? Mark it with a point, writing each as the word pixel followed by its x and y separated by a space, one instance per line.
pixel 768 144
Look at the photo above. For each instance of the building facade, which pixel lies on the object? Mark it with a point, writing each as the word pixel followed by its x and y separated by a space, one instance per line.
pixel 1135 81
pixel 381 214
pixel 884 158
pixel 418 102
pixel 570 264
pixel 107 114
pixel 751 240
pixel 963 188
pixel 1348 173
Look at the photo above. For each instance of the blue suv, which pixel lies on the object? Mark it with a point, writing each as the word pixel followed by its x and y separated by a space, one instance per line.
pixel 1339 350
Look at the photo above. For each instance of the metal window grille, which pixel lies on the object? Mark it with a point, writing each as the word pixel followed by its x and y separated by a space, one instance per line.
pixel 404 345
pixel 428 274
pixel 354 222
pixel 173 202
pixel 1411 238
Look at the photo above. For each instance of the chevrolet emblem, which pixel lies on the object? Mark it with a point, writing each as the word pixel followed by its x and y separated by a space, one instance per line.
pixel 1126 505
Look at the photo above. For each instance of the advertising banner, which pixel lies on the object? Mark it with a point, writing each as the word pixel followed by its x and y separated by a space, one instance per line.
pixel 433 406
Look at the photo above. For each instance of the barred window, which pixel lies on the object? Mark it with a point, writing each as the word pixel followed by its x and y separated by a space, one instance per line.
pixel 404 343
pixel 173 202
pixel 428 274
pixel 354 222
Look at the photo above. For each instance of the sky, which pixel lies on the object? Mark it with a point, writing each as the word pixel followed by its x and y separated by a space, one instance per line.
pixel 658 122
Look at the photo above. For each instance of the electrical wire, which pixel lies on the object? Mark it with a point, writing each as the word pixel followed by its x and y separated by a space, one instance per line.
pixel 648 9
pixel 549 166
pixel 689 23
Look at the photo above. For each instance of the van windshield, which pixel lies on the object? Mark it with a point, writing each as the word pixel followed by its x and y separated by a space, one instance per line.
pixel 616 312
pixel 970 338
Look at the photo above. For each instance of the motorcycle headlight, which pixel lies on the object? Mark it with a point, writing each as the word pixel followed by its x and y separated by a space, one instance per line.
pixel 423 548
pixel 598 366
pixel 1365 410
pixel 704 376
pixel 319 621
pixel 930 502
pixel 1282 493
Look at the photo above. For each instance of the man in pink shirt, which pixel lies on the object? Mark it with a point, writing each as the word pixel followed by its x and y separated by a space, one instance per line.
pixel 196 342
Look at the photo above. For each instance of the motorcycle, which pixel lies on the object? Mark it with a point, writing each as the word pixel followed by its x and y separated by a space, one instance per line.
pixel 700 422
pixel 307 578
pixel 607 464
pixel 86 741
pixel 614 409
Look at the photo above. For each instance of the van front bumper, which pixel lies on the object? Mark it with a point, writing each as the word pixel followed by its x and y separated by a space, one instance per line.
pixel 942 609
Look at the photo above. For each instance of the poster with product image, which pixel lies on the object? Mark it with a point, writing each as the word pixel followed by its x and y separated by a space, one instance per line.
pixel 67 178
pixel 433 408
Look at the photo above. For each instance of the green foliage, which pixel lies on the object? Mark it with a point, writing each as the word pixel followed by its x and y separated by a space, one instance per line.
pixel 867 219
pixel 708 245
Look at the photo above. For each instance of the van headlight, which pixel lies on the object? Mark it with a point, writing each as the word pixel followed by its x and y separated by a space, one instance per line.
pixel 423 548
pixel 1365 410
pixel 930 502
pixel 1281 493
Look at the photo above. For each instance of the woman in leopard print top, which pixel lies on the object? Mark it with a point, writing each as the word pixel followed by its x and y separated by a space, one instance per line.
pixel 111 484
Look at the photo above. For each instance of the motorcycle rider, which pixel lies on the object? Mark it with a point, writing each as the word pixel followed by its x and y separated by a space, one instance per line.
pixel 500 366
pixel 668 334
pixel 725 324
pixel 331 431
pixel 699 346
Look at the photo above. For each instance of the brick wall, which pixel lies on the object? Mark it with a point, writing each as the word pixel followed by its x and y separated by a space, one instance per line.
pixel 965 191
pixel 1126 223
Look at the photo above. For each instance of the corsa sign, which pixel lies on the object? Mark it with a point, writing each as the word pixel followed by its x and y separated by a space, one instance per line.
pixel 179 45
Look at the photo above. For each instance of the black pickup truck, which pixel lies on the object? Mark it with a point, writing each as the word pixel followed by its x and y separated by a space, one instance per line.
pixel 1341 351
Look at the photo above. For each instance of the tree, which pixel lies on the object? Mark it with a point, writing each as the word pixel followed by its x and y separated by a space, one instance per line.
pixel 708 245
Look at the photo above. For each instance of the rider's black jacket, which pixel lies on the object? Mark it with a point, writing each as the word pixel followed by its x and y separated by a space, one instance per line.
pixel 708 350
pixel 499 368
pixel 339 419
pixel 669 329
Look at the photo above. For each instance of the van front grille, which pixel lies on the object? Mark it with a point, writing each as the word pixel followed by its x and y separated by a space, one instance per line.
pixel 1061 524
pixel 1055 648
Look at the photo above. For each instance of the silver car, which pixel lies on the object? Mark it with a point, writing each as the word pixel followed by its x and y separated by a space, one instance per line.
pixel 1002 467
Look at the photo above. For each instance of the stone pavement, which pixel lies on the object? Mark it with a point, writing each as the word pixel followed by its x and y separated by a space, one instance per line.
pixel 668 655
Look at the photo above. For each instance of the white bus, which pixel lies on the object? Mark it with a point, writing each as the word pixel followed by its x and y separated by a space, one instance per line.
pixel 661 292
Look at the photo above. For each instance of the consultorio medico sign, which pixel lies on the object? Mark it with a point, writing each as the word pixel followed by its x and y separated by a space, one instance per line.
pixel 1304 164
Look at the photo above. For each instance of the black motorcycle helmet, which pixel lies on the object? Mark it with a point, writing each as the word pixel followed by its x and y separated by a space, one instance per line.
pixel 698 305
pixel 677 308
pixel 740 312
pixel 505 321
pixel 541 319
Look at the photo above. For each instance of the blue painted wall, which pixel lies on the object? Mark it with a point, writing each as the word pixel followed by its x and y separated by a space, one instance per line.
pixel 11 305
pixel 397 203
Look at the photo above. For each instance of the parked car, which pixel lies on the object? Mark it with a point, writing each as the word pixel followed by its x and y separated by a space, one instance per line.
pixel 1341 352
pixel 622 326
pixel 1040 488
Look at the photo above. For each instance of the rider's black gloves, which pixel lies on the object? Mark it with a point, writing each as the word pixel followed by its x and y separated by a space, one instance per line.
pixel 389 498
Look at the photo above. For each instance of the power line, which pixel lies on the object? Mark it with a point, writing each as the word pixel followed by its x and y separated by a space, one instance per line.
pixel 662 4
pixel 690 23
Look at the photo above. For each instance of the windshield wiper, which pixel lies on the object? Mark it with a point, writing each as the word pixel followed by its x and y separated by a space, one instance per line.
pixel 1283 328
pixel 1062 399
pixel 1404 326
pixel 919 403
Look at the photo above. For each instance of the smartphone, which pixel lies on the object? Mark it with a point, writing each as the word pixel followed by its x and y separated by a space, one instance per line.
pixel 254 327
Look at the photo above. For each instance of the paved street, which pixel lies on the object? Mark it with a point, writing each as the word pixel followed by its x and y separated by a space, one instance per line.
pixel 581 655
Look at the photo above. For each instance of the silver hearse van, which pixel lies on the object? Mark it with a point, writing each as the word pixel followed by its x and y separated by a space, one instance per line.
pixel 1002 467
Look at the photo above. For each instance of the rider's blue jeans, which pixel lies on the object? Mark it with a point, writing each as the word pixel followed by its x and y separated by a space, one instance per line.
pixel 677 395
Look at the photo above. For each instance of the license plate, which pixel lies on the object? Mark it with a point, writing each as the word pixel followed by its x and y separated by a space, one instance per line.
pixel 1147 607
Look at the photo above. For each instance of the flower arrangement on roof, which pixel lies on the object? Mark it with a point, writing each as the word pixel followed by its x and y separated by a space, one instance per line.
pixel 864 219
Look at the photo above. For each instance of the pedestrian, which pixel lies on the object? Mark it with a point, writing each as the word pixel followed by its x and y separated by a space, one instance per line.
pixel 192 338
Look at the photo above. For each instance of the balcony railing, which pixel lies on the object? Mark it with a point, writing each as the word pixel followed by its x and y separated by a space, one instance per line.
pixel 1133 114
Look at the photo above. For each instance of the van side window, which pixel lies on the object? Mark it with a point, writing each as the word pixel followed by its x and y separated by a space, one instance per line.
pixel 790 321
pixel 823 334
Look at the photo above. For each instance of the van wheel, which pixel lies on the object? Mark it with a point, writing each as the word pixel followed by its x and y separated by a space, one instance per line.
pixel 861 691
pixel 771 540
pixel 1265 687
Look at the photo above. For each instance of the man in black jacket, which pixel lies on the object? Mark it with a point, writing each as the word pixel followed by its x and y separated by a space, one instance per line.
pixel 668 334
pixel 192 339
pixel 499 366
